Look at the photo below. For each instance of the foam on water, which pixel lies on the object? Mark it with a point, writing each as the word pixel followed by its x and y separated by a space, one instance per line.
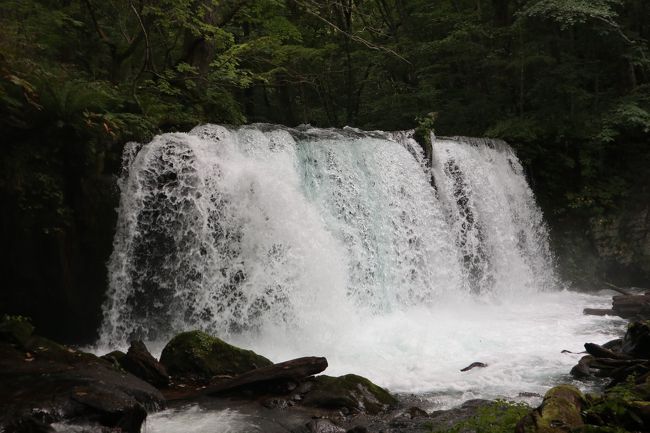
pixel 194 419
pixel 306 241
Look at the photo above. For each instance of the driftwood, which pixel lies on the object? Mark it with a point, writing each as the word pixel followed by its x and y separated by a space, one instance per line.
pixel 617 289
pixel 626 306
pixel 294 370
pixel 474 365
pixel 602 352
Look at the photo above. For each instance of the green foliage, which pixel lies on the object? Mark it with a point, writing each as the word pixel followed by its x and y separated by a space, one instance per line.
pixel 566 82
pixel 498 417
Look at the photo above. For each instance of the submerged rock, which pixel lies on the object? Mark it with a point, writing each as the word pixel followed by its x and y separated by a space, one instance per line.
pixel 139 362
pixel 324 425
pixel 560 412
pixel 350 392
pixel 198 355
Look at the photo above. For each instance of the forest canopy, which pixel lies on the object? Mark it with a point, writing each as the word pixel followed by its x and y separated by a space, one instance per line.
pixel 562 80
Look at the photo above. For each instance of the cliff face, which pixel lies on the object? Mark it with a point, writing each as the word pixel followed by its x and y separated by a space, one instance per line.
pixel 622 242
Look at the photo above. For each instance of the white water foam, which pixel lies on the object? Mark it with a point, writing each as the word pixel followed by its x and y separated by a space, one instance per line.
pixel 194 419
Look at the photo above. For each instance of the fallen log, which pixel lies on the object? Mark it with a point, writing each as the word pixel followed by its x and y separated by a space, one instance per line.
pixel 294 370
pixel 599 312
pixel 617 289
pixel 601 352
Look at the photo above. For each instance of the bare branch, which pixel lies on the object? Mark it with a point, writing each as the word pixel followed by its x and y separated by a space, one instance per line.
pixel 352 37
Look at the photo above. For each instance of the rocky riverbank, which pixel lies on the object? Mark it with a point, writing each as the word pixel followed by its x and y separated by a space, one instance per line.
pixel 48 387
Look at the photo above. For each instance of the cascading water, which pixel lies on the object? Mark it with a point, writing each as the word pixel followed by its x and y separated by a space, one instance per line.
pixel 334 242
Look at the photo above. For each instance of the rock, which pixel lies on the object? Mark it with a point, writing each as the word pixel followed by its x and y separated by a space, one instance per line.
pixel 583 369
pixel 560 412
pixel 281 377
pixel 637 340
pixel 15 330
pixel 416 412
pixel 60 383
pixel 28 424
pixel 474 365
pixel 352 392
pixel 139 362
pixel 446 420
pixel 198 355
pixel 114 357
pixel 323 425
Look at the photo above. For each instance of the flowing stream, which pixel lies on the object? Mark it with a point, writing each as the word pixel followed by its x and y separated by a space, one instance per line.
pixel 350 245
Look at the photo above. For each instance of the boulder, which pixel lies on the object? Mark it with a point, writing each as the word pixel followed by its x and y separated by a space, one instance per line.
pixel 114 358
pixel 197 355
pixel 637 340
pixel 560 412
pixel 44 382
pixel 15 330
pixel 139 362
pixel 350 392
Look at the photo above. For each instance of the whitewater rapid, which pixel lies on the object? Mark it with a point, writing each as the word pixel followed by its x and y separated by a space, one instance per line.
pixel 350 245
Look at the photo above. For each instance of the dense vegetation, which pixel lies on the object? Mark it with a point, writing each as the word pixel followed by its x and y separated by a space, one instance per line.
pixel 565 81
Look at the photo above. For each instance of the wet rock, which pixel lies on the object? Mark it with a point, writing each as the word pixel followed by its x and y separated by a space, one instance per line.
pixel 416 412
pixel 139 362
pixel 114 357
pixel 324 425
pixel 275 403
pixel 64 384
pixel 583 369
pixel 560 412
pixel 198 355
pixel 352 392
pixel 28 424
pixel 637 340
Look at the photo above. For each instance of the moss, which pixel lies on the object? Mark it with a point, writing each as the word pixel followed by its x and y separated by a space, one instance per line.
pixel 199 355
pixel 16 329
pixel 622 406
pixel 498 417
pixel 561 411
pixel 350 391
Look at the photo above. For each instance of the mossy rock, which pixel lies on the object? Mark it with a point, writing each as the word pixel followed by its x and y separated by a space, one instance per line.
pixel 16 330
pixel 560 412
pixel 625 405
pixel 198 355
pixel 352 392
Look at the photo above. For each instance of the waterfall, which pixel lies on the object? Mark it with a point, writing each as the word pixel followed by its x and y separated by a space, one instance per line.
pixel 237 230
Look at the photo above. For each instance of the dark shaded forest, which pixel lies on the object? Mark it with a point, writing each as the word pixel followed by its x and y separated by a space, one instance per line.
pixel 565 82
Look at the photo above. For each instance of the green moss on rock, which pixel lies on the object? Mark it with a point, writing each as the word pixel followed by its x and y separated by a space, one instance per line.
pixel 16 329
pixel 560 412
pixel 353 392
pixel 196 354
